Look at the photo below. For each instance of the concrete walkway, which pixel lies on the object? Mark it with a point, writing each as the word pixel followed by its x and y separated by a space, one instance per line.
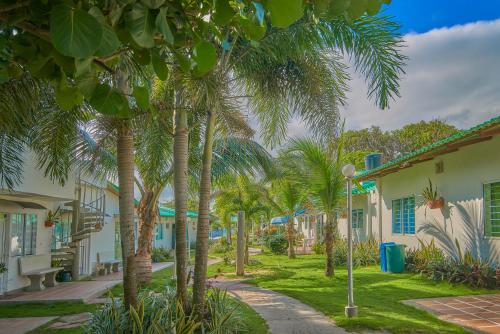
pixel 79 291
pixel 283 314
pixel 22 325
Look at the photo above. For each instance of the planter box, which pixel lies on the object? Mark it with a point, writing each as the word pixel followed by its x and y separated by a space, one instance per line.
pixel 436 204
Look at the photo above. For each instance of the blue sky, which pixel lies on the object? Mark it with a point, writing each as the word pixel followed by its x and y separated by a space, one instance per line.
pixel 423 15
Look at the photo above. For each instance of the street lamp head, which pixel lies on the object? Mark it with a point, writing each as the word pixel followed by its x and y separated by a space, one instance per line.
pixel 349 170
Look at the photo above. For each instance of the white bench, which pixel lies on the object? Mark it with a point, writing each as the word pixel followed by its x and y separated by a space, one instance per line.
pixel 111 266
pixel 37 269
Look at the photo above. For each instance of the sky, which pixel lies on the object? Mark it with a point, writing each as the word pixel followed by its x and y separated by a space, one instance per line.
pixel 453 71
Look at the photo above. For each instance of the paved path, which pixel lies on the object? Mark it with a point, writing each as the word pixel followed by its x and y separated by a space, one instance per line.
pixel 479 313
pixel 22 325
pixel 79 291
pixel 283 314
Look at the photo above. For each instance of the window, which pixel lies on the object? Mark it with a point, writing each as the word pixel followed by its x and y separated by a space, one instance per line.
pixel 492 209
pixel 23 234
pixel 403 215
pixel 159 231
pixel 357 218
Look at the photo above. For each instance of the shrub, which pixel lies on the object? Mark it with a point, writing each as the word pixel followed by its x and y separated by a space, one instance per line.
pixel 318 248
pixel 418 259
pixel 464 269
pixel 160 254
pixel 366 253
pixel 278 244
pixel 220 246
pixel 340 252
pixel 160 313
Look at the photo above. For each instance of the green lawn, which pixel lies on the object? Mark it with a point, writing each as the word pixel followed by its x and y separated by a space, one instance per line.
pixel 378 295
pixel 44 310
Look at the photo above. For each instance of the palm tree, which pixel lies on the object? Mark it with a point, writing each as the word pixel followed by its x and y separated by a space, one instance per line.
pixel 318 167
pixel 288 196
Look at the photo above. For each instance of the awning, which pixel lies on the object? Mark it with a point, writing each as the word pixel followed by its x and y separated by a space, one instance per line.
pixel 284 219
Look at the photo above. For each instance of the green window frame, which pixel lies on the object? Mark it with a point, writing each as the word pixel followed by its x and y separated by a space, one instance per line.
pixel 403 215
pixel 492 209
pixel 23 234
pixel 357 218
pixel 159 232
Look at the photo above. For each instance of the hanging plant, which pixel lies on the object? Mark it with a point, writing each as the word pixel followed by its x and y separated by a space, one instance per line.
pixel 3 268
pixel 51 217
pixel 430 194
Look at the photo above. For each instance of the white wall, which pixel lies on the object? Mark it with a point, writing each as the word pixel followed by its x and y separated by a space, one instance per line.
pixel 43 238
pixel 461 185
pixel 359 234
pixel 34 181
pixel 167 224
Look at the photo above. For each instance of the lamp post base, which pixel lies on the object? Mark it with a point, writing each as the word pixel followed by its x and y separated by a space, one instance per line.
pixel 351 311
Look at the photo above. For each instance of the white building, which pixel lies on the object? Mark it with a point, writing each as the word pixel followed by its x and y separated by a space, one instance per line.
pixel 464 167
pixel 92 203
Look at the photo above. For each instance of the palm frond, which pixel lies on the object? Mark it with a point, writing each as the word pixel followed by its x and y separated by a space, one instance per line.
pixel 12 150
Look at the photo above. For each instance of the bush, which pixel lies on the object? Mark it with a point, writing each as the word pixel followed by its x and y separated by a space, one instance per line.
pixel 160 313
pixel 278 244
pixel 318 248
pixel 161 254
pixel 364 253
pixel 430 261
pixel 340 252
pixel 220 246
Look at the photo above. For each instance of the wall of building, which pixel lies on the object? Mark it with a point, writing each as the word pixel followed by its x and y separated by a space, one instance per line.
pixel 167 225
pixel 43 238
pixel 460 184
pixel 363 233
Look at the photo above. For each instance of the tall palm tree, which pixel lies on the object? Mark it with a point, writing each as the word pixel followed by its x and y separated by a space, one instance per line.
pixel 288 196
pixel 318 167
pixel 297 72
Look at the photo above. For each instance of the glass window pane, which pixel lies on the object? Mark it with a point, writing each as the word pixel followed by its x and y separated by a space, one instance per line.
pixel 30 236
pixel 16 234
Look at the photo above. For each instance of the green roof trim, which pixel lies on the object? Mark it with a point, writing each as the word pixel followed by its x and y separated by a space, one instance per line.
pixel 368 186
pixel 438 144
pixel 170 212
pixel 116 189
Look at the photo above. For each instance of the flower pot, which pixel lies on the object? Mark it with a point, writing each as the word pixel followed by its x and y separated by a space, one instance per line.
pixel 436 204
pixel 49 223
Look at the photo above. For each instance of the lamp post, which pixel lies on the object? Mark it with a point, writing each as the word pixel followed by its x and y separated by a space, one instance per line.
pixel 351 310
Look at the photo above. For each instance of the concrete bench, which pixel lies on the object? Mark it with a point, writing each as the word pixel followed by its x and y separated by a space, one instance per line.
pixel 111 266
pixel 37 269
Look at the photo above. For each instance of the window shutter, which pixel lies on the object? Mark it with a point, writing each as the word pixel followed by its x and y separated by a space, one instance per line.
pixel 487 209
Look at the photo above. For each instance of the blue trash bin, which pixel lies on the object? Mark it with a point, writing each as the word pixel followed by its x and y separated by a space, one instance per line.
pixel 383 258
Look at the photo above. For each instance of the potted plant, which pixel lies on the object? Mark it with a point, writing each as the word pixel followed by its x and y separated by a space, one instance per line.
pixel 3 268
pixel 430 194
pixel 51 217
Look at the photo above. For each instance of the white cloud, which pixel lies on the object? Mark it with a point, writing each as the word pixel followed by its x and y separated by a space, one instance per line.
pixel 452 74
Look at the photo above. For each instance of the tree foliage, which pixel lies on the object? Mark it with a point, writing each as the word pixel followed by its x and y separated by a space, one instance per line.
pixel 393 143
pixel 70 43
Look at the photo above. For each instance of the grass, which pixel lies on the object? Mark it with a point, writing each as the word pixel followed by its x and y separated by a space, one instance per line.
pixel 43 310
pixel 377 295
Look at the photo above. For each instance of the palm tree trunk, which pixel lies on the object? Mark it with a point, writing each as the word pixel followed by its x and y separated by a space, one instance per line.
pixel 329 245
pixel 247 255
pixel 228 228
pixel 147 210
pixel 125 159
pixel 291 238
pixel 201 257
pixel 240 245
pixel 181 134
